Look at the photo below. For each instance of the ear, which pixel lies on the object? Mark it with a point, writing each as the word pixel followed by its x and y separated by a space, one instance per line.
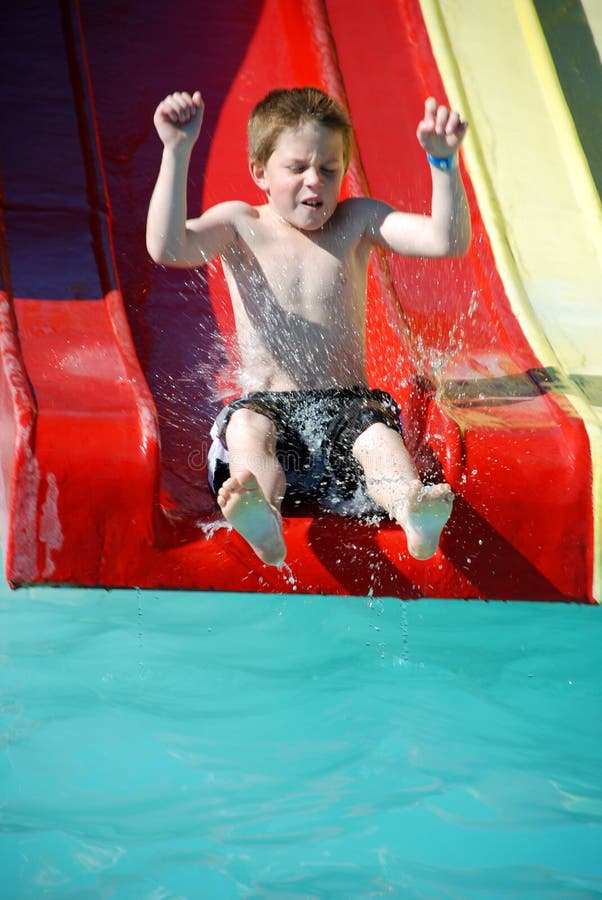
pixel 258 174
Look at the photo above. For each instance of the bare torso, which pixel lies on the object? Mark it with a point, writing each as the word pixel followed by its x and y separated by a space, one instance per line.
pixel 299 300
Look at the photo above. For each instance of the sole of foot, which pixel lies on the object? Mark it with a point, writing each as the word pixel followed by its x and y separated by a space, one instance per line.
pixel 423 514
pixel 245 507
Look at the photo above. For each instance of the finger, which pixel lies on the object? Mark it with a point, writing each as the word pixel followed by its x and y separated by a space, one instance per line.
pixel 441 119
pixel 178 107
pixel 430 110
pixel 168 110
pixel 184 106
pixel 456 126
pixel 452 123
pixel 171 108
pixel 179 100
pixel 426 125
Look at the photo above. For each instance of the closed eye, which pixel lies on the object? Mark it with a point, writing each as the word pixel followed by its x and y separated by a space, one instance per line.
pixel 299 168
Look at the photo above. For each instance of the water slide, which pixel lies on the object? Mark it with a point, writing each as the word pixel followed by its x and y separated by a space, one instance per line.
pixel 112 368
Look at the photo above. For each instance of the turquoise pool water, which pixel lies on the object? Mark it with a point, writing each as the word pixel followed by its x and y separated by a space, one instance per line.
pixel 179 745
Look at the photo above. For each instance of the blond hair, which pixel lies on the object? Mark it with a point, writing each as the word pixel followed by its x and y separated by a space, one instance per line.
pixel 286 108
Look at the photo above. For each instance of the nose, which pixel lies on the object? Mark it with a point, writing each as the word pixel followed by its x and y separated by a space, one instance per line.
pixel 312 176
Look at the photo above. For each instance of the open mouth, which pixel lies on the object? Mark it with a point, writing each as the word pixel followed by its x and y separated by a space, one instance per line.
pixel 313 203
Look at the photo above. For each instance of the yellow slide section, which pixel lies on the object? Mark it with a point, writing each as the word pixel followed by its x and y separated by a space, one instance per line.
pixel 535 190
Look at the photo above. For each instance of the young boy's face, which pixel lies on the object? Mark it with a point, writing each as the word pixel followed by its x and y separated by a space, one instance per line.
pixel 303 176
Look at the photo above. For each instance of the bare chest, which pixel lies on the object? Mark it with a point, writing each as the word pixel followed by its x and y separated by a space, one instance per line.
pixel 315 284
pixel 318 279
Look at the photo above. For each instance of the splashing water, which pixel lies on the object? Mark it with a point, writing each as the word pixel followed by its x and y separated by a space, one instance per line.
pixel 210 528
pixel 289 575
pixel 190 392
pixel 432 361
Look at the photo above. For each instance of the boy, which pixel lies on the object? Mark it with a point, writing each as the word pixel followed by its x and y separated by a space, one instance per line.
pixel 296 268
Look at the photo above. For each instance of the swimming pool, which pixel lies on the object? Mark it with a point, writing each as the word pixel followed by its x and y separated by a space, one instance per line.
pixel 185 745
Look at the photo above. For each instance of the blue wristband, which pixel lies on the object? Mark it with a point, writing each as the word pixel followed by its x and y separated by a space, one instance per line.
pixel 443 162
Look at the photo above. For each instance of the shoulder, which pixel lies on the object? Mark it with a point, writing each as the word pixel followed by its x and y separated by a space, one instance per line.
pixel 223 224
pixel 228 213
pixel 363 214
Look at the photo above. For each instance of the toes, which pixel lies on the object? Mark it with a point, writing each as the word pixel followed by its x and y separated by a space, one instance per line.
pixel 420 552
pixel 438 492
pixel 224 494
pixel 245 481
pixel 233 486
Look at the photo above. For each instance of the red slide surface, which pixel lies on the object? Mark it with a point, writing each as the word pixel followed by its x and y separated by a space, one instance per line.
pixel 113 368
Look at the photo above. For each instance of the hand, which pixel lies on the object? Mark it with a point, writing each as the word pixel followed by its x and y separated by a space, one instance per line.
pixel 178 118
pixel 441 131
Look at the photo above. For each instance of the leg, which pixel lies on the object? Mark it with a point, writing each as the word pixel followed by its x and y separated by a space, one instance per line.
pixel 250 499
pixel 393 483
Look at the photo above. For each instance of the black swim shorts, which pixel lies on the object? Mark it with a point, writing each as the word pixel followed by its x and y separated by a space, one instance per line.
pixel 316 431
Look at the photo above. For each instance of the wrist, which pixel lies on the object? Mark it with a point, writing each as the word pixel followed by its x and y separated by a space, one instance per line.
pixel 178 151
pixel 445 163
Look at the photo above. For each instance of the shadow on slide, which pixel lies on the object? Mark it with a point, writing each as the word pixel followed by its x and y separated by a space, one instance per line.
pixel 113 368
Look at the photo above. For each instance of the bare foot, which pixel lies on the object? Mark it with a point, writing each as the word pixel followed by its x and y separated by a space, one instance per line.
pixel 243 504
pixel 422 514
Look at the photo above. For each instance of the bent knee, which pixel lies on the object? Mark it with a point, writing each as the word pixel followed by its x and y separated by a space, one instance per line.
pixel 378 437
pixel 247 425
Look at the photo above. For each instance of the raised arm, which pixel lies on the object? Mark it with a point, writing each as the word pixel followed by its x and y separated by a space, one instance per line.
pixel 447 231
pixel 171 238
